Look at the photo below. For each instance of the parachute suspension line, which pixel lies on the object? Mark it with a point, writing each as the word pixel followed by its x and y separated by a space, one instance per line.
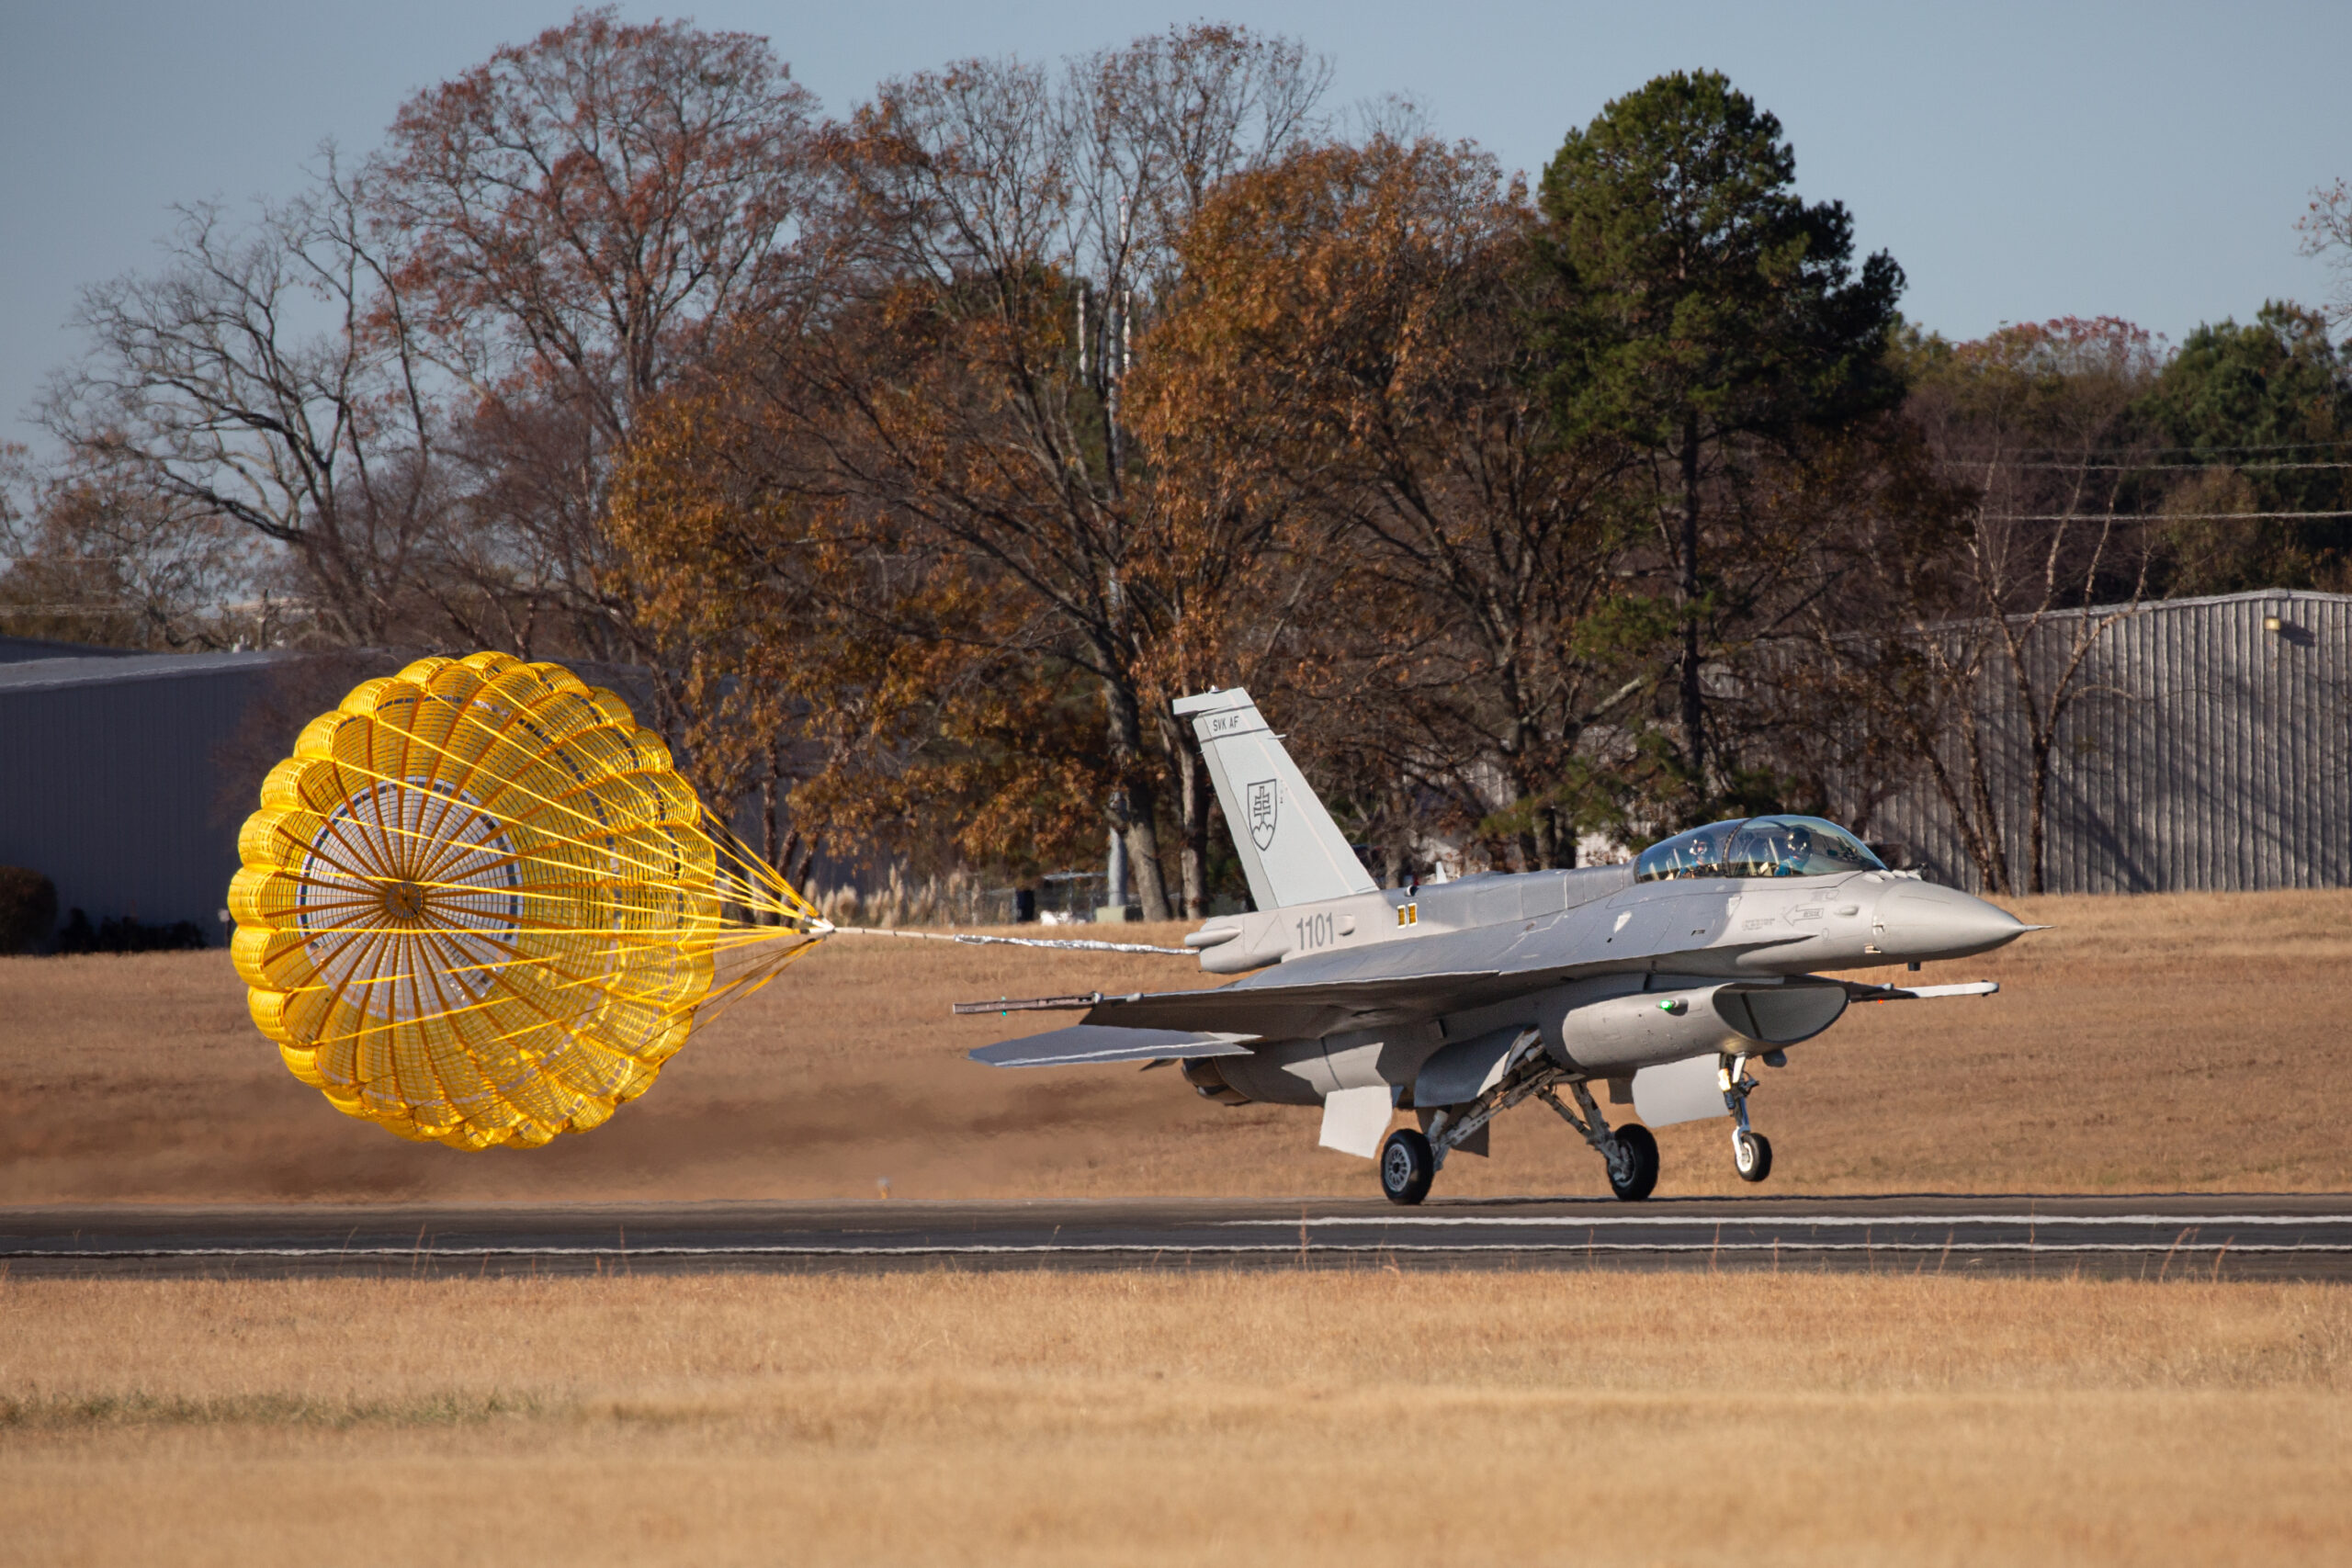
pixel 762 881
pixel 479 906
pixel 761 886
pixel 756 978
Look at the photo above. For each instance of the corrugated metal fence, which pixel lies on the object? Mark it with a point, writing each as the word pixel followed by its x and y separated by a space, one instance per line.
pixel 2203 748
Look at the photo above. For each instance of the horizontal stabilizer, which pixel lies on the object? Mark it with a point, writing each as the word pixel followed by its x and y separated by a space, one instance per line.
pixel 1267 1009
pixel 1084 1044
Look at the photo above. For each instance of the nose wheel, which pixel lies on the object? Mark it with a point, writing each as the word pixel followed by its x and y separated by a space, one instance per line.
pixel 1751 1151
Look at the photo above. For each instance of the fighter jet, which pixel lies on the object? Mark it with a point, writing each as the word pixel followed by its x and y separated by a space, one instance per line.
pixel 1660 981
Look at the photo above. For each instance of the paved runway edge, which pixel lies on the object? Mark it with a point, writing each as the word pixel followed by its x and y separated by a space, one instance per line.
pixel 2212 1236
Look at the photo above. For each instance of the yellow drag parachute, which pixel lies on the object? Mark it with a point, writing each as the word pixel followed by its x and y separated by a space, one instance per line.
pixel 479 906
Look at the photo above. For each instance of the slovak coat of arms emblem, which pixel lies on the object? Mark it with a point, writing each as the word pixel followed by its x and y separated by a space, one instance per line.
pixel 1265 800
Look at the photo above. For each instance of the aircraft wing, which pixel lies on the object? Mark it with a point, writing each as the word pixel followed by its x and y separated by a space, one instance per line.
pixel 1244 1011
pixel 1086 1044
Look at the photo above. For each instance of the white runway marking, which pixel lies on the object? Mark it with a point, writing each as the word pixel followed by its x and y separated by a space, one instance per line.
pixel 1848 1222
pixel 1197 1235
pixel 914 1249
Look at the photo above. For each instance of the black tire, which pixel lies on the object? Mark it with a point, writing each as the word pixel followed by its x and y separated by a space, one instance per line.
pixel 1641 1163
pixel 1751 1156
pixel 1408 1166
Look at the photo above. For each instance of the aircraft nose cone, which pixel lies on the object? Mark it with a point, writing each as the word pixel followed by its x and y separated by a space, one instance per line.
pixel 1923 921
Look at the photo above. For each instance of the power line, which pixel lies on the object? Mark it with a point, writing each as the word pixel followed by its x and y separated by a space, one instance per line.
pixel 2134 467
pixel 2155 516
pixel 2343 445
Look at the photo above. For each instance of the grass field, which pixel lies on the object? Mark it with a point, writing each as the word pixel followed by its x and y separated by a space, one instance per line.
pixel 1342 1417
pixel 2152 1043
pixel 1235 1419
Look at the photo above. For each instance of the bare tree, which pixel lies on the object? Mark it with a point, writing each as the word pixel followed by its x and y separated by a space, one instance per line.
pixel 244 383
pixel 1962 591
pixel 2326 229
pixel 85 558
pixel 577 222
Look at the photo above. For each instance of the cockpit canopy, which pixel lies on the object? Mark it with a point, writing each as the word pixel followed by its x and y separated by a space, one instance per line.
pixel 1756 846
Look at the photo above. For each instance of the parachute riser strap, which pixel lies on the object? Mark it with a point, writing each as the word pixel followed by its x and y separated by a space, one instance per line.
pixel 973 939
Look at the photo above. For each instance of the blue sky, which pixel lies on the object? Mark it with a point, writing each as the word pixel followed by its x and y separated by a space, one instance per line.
pixel 2020 161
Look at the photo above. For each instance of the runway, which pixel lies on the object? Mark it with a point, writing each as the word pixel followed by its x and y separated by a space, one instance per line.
pixel 2223 1236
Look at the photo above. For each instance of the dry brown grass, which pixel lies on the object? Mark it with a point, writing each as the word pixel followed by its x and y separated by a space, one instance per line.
pixel 2171 1042
pixel 1308 1418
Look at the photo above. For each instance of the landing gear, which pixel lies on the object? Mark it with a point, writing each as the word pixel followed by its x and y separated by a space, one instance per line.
pixel 1751 1152
pixel 1631 1152
pixel 1408 1166
pixel 1410 1160
pixel 1635 1177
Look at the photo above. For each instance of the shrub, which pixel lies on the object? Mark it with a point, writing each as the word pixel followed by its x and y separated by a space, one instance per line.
pixel 28 908
pixel 123 934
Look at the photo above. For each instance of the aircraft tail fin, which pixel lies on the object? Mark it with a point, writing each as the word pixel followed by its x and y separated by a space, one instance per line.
pixel 1290 848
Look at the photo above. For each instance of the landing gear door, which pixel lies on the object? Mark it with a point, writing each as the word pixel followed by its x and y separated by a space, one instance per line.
pixel 1687 1091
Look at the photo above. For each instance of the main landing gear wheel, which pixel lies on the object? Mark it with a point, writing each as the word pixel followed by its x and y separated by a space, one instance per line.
pixel 1408 1167
pixel 1637 1176
pixel 1751 1155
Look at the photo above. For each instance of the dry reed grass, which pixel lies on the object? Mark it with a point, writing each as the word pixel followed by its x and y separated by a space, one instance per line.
pixel 2167 1042
pixel 1295 1418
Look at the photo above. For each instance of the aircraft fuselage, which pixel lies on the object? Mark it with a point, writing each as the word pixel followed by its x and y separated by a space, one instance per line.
pixel 1574 955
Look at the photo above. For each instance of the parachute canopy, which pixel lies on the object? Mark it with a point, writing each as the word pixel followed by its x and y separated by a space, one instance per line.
pixel 480 906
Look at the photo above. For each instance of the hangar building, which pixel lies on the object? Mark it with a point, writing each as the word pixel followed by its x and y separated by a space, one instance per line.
pixel 114 776
pixel 2208 747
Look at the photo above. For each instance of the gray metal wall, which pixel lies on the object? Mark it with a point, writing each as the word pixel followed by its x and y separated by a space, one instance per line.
pixel 18 649
pixel 2204 753
pixel 112 780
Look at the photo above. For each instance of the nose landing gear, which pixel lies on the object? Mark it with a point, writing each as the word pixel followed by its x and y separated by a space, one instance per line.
pixel 1751 1151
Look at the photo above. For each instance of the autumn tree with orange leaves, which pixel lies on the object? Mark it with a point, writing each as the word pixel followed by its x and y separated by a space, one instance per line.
pixel 874 691
pixel 1349 351
pixel 963 400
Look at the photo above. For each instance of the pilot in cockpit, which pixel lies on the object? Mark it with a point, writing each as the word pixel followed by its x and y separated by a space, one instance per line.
pixel 1756 846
